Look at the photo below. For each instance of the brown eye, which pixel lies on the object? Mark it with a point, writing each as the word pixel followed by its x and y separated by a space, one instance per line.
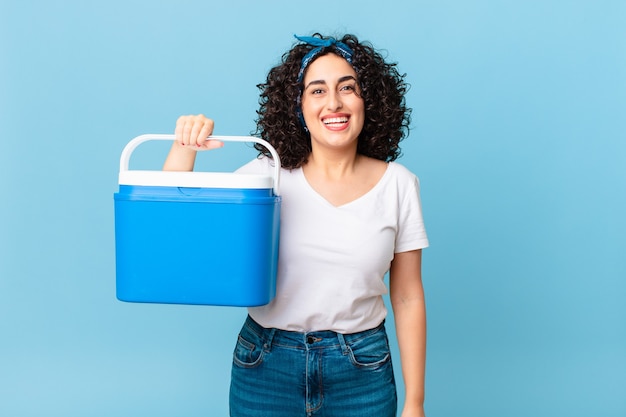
pixel 347 88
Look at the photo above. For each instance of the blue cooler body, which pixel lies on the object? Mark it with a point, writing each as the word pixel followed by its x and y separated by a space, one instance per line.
pixel 196 237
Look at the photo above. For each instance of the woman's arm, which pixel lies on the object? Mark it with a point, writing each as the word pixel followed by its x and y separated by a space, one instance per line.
pixel 409 308
pixel 191 135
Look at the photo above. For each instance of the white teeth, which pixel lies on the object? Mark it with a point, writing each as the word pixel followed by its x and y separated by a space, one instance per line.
pixel 336 120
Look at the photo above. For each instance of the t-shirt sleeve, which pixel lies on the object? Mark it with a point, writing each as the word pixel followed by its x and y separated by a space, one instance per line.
pixel 411 230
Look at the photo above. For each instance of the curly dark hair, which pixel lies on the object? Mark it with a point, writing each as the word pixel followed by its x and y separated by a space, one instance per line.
pixel 382 88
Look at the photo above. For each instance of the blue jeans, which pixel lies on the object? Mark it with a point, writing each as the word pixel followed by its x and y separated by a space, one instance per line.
pixel 278 373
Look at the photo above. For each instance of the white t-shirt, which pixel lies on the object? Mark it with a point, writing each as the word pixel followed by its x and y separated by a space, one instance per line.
pixel 332 260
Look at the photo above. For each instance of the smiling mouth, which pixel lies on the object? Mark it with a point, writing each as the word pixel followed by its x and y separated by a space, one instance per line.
pixel 335 120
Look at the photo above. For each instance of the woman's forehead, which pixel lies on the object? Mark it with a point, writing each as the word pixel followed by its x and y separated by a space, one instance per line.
pixel 328 67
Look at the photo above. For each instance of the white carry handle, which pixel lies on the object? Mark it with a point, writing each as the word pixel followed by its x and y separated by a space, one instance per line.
pixel 130 147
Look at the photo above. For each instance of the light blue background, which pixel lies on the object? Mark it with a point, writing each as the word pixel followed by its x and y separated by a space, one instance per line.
pixel 519 138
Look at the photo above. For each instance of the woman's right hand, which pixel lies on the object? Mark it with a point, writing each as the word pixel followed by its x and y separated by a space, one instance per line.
pixel 191 135
pixel 193 130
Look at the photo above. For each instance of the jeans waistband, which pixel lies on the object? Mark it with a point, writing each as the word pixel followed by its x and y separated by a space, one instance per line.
pixel 307 340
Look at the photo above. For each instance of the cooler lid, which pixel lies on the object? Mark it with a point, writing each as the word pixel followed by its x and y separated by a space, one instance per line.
pixel 195 179
pixel 198 179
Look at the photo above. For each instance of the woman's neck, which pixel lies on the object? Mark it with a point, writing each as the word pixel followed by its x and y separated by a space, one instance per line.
pixel 334 166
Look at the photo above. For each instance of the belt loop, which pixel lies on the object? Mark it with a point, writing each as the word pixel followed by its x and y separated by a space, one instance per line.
pixel 269 333
pixel 342 342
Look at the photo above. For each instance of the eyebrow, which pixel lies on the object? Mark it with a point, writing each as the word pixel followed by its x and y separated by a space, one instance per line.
pixel 323 82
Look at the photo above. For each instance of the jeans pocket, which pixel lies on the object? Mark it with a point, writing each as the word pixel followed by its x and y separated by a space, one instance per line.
pixel 371 352
pixel 248 354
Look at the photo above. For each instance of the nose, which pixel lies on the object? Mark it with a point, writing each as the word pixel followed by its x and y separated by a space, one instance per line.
pixel 334 102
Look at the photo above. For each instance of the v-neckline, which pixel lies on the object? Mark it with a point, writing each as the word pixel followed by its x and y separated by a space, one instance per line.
pixel 351 202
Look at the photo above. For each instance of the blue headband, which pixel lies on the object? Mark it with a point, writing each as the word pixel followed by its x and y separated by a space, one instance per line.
pixel 319 44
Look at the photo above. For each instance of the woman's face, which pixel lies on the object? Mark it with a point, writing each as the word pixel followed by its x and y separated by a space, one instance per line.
pixel 332 106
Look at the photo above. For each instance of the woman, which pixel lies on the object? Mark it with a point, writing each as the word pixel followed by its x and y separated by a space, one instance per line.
pixel 335 112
